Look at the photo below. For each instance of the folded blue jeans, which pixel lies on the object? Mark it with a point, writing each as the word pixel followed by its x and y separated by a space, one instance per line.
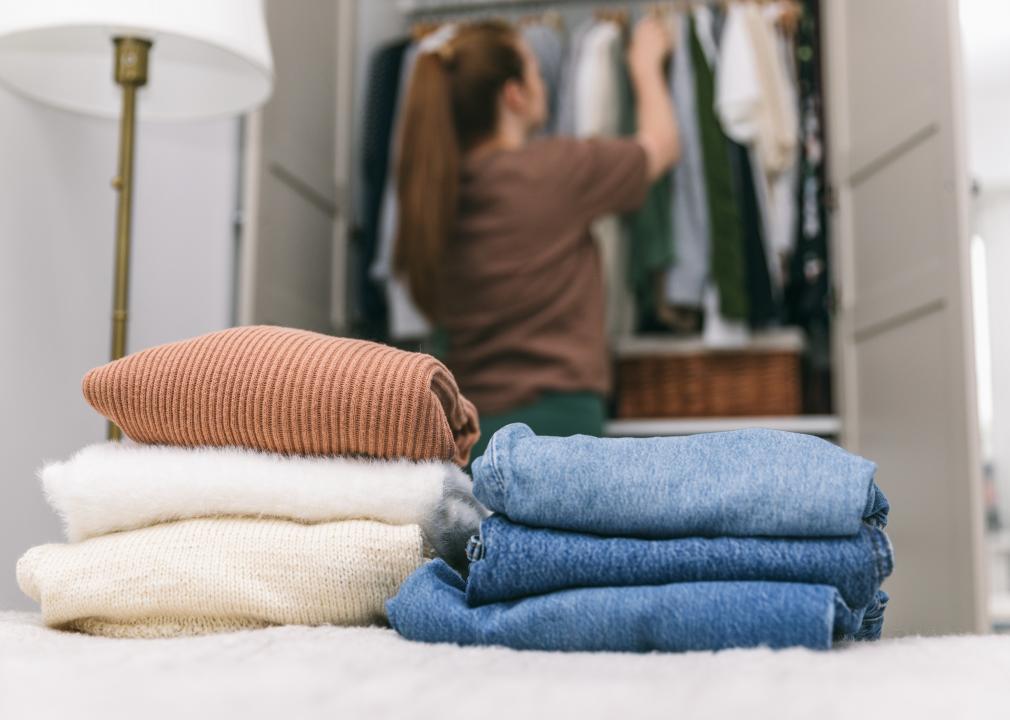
pixel 511 561
pixel 742 483
pixel 431 607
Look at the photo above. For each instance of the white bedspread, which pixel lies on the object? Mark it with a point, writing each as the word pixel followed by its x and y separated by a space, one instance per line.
pixel 295 673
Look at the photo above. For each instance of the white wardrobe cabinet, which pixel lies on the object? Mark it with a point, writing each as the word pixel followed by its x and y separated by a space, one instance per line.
pixel 295 208
pixel 904 343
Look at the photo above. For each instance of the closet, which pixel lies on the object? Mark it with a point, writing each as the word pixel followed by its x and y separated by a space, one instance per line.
pixel 901 362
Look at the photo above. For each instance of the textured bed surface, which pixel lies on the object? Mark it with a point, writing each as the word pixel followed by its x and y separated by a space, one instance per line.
pixel 308 673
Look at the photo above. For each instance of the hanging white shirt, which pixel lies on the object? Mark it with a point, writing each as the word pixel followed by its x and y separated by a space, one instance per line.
pixel 784 201
pixel 598 114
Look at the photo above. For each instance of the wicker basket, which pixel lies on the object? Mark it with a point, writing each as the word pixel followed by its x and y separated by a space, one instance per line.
pixel 660 377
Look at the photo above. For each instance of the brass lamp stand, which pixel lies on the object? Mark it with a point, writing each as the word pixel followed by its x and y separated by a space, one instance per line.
pixel 130 73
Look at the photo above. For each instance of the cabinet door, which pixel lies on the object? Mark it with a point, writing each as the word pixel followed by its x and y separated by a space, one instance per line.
pixel 904 336
pixel 293 215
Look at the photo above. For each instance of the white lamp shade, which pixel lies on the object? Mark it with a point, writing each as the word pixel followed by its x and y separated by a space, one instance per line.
pixel 209 57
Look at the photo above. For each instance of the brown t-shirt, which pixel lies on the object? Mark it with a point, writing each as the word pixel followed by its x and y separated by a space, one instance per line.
pixel 524 308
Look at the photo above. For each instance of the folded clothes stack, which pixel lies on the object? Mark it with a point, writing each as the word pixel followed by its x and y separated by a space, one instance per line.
pixel 735 539
pixel 277 477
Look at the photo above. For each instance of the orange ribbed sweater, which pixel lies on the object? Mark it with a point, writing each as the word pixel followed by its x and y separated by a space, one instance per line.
pixel 288 391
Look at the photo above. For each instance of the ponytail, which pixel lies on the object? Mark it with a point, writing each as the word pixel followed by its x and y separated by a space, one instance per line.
pixel 427 182
pixel 451 105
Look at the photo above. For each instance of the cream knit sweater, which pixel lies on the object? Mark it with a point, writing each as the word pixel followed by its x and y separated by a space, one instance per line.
pixel 199 576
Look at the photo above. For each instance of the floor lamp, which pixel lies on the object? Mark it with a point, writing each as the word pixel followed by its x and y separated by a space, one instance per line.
pixel 206 57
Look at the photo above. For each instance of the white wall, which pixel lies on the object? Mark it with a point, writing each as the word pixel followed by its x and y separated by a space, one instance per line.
pixel 987 85
pixel 56 256
pixel 992 224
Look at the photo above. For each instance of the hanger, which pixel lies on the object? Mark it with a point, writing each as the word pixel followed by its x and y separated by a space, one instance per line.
pixel 659 10
pixel 790 14
pixel 553 19
pixel 670 16
pixel 548 18
pixel 423 28
pixel 618 17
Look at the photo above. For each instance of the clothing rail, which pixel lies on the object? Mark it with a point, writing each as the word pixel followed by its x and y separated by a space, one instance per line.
pixel 439 7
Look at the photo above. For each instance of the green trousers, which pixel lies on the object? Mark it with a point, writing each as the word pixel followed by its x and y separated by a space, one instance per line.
pixel 555 413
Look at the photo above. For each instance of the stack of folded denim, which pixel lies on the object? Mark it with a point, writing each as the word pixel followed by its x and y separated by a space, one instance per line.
pixel 736 539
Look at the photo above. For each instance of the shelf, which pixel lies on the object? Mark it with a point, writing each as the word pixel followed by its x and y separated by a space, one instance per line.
pixel 421 7
pixel 822 425
pixel 778 340
pixel 999 610
pixel 415 7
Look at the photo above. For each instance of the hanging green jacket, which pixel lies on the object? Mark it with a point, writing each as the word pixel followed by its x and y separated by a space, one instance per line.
pixel 650 228
pixel 726 226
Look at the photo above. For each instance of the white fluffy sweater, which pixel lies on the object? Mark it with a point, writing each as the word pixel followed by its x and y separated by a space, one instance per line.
pixel 199 576
pixel 109 487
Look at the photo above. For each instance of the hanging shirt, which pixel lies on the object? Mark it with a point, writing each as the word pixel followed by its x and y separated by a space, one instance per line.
pixel 406 322
pixel 783 202
pixel 382 267
pixel 757 108
pixel 547 45
pixel 377 132
pixel 649 230
pixel 779 151
pixel 738 90
pixel 727 264
pixel 810 276
pixel 762 298
pixel 778 156
pixel 596 83
pixel 524 293
pixel 598 113
pixel 751 93
pixel 704 32
pixel 564 123
pixel 685 282
pixel 743 107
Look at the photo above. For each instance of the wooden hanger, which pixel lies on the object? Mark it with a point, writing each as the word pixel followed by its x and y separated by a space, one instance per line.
pixel 553 19
pixel 618 17
pixel 423 28
pixel 790 14
pixel 548 18
pixel 659 10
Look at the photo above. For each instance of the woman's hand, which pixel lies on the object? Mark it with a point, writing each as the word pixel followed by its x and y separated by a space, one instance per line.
pixel 650 45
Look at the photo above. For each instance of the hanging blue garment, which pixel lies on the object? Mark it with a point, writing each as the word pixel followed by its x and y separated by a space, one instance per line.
pixel 685 281
pixel 548 46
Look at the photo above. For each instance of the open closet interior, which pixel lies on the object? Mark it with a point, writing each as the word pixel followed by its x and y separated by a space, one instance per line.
pixel 718 291
pixel 857 324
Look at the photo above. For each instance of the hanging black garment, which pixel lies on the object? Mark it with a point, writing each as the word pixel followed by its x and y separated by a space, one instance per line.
pixel 762 308
pixel 382 87
pixel 808 285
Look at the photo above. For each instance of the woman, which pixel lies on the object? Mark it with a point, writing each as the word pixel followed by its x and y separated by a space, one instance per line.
pixel 493 232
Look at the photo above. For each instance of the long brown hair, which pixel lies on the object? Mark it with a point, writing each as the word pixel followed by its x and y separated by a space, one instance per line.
pixel 451 105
